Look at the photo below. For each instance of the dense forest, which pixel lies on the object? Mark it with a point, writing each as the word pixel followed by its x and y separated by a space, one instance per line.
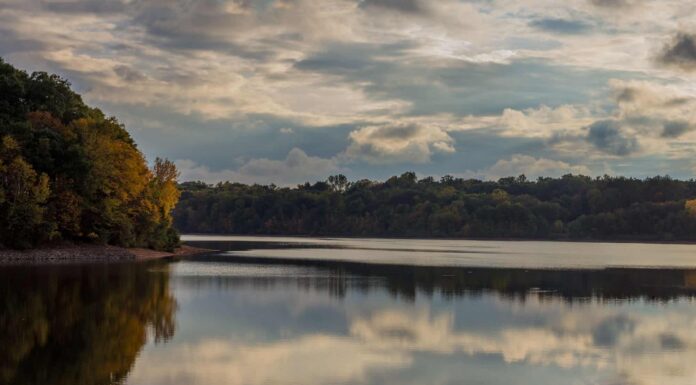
pixel 569 207
pixel 69 173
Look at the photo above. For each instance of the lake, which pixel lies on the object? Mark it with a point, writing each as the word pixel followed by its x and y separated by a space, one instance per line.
pixel 268 310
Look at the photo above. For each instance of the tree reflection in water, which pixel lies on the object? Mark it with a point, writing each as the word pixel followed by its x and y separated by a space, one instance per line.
pixel 256 321
pixel 406 282
pixel 80 324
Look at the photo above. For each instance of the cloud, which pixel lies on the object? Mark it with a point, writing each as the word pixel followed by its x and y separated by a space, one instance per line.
pixel 608 136
pixel 680 52
pixel 212 70
pixel 565 26
pixel 396 143
pixel 128 74
pixel 615 4
pixel 14 43
pixel 642 118
pixel 324 359
pixel 654 110
pixel 530 166
pixel 297 167
pixel 452 79
pixel 675 129
pixel 86 6
pixel 406 6
pixel 544 121
pixel 618 344
pixel 624 343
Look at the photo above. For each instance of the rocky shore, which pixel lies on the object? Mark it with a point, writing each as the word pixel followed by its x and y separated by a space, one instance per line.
pixel 91 253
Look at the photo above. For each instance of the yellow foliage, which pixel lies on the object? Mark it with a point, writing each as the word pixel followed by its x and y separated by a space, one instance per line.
pixel 690 207
pixel 118 168
pixel 500 196
pixel 168 197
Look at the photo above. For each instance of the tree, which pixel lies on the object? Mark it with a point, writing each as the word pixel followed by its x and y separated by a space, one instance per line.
pixel 338 182
pixel 549 208
pixel 161 196
pixel 68 172
pixel 23 194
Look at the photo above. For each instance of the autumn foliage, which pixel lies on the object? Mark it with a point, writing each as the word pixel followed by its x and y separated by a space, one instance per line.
pixel 68 172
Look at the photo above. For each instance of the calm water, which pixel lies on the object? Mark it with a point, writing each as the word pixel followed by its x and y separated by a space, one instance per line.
pixel 315 313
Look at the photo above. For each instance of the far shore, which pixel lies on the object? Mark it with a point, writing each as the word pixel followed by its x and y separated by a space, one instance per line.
pixel 92 253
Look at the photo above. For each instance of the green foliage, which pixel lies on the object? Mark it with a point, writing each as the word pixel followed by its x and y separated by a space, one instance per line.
pixel 68 172
pixel 24 196
pixel 570 207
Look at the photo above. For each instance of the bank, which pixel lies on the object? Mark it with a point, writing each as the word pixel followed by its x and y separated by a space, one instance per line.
pixel 71 253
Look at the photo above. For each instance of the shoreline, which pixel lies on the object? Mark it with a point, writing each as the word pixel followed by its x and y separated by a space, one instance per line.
pixel 142 254
pixel 502 239
pixel 92 254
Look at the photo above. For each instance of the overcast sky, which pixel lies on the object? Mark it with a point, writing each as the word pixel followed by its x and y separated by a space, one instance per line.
pixel 284 91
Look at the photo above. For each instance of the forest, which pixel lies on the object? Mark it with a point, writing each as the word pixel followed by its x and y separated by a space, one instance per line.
pixel 68 173
pixel 570 207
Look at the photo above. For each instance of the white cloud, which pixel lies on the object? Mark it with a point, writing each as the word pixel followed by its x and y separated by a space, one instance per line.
pixel 544 121
pixel 297 167
pixel 618 343
pixel 396 143
pixel 530 166
pixel 234 60
pixel 654 101
pixel 642 118
pixel 322 358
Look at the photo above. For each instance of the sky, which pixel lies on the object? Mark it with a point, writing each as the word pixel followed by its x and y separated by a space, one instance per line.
pixel 288 91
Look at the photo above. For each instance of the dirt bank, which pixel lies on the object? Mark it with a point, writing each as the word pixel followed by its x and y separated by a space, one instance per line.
pixel 91 253
pixel 183 251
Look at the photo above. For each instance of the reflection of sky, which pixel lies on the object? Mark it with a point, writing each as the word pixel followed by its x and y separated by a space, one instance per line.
pixel 242 331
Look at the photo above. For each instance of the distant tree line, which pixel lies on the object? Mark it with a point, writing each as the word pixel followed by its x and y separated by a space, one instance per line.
pixel 569 207
pixel 67 172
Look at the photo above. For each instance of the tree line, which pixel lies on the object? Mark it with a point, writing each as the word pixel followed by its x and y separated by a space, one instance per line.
pixel 570 207
pixel 70 173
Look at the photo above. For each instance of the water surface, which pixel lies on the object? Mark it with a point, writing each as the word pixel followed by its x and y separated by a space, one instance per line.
pixel 234 317
pixel 463 253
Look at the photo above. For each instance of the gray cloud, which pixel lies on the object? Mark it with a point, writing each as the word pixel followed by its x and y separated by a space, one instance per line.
pixel 203 79
pixel 613 3
pixel 12 43
pixel 607 136
pixel 627 94
pixel 86 6
pixel 460 87
pixel 654 110
pixel 671 341
pixel 565 26
pixel 128 74
pixel 398 143
pixel 397 132
pixel 676 128
pixel 352 60
pixel 680 52
pixel 406 6
pixel 609 330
